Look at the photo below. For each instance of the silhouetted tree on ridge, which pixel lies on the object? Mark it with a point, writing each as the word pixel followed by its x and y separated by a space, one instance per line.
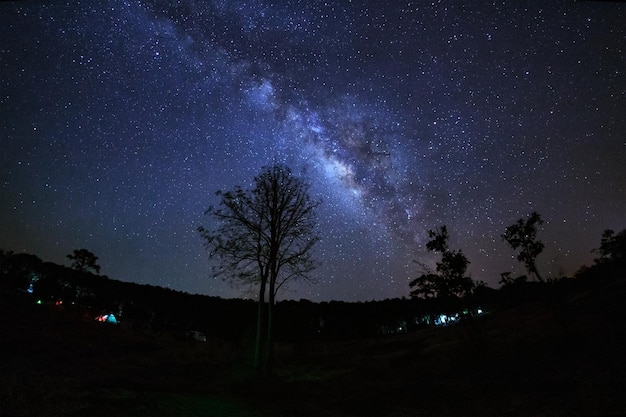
pixel 612 248
pixel 611 262
pixel 83 260
pixel 450 280
pixel 523 235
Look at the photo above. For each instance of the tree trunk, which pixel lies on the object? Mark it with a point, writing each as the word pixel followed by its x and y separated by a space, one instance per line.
pixel 258 347
pixel 269 340
pixel 537 274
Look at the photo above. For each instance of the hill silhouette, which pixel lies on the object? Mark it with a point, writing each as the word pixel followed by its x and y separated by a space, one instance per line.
pixel 538 349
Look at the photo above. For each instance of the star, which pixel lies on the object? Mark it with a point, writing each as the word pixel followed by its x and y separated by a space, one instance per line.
pixel 120 121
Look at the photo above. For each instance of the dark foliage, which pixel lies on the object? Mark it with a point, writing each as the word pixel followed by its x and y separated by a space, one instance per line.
pixel 163 310
pixel 450 282
pixel 523 236
pixel 611 262
pixel 83 260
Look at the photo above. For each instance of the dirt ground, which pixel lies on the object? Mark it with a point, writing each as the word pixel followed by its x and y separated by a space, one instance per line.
pixel 538 359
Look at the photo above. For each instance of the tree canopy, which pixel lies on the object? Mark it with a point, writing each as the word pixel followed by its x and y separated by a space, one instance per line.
pixel 450 280
pixel 612 247
pixel 264 237
pixel 522 235
pixel 83 260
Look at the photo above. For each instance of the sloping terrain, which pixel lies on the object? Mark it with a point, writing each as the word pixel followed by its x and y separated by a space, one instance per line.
pixel 549 356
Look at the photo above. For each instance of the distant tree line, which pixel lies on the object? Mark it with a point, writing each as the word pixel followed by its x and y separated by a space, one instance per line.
pixel 156 309
pixel 138 306
pixel 450 290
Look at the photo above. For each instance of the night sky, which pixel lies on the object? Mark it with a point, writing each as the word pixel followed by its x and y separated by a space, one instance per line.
pixel 120 120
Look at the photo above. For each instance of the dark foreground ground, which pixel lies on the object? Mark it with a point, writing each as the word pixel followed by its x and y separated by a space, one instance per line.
pixel 545 358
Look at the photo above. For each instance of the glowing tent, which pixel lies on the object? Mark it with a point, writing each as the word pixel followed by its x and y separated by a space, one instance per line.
pixel 107 318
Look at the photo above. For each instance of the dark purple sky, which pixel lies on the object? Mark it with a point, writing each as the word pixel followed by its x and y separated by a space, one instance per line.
pixel 121 120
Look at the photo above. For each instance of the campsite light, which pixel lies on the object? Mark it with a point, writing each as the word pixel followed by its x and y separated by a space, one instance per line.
pixel 32 279
pixel 107 318
pixel 442 319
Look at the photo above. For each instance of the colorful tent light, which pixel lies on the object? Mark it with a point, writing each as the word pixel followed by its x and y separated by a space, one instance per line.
pixel 107 318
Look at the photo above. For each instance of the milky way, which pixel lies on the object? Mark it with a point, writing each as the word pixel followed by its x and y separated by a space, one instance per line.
pixel 121 120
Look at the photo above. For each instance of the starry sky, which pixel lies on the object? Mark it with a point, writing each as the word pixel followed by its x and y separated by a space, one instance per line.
pixel 120 120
